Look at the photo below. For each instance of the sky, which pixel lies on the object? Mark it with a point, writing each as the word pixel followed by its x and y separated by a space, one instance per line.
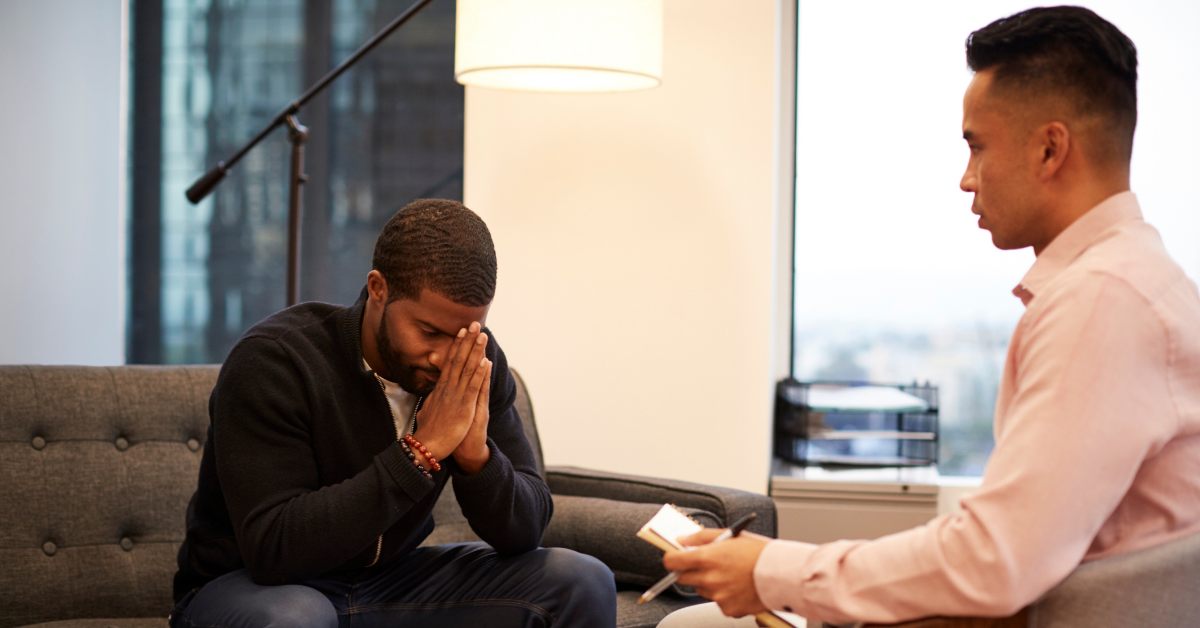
pixel 884 237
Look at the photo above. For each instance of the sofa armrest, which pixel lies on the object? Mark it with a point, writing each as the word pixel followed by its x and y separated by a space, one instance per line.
pixel 1155 586
pixel 728 504
pixel 607 529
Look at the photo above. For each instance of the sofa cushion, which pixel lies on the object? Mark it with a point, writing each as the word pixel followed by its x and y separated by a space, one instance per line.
pixel 524 409
pixel 98 465
pixel 1150 587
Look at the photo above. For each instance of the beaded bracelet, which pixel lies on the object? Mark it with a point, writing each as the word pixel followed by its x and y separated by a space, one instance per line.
pixel 413 457
pixel 415 444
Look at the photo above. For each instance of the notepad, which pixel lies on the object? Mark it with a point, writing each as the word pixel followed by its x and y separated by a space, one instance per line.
pixel 666 527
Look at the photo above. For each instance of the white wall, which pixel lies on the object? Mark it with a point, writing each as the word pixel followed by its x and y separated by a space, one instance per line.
pixel 61 172
pixel 636 234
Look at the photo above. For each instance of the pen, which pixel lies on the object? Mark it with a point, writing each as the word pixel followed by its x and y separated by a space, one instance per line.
pixel 670 578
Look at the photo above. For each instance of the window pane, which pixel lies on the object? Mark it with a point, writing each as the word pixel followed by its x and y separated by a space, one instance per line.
pixel 385 133
pixel 397 121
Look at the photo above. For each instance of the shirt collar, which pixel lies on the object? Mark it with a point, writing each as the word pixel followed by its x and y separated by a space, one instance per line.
pixel 367 368
pixel 1087 230
pixel 387 383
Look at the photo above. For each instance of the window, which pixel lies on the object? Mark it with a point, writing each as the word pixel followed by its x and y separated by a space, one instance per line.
pixel 894 281
pixel 208 74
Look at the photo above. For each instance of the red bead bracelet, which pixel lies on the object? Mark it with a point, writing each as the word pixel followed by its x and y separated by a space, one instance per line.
pixel 416 444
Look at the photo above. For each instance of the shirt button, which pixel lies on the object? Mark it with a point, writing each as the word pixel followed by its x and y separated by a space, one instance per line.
pixel 193 444
pixel 121 443
pixel 49 548
pixel 126 543
pixel 38 443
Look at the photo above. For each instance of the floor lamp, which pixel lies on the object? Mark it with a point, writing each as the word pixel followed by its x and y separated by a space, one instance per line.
pixel 531 45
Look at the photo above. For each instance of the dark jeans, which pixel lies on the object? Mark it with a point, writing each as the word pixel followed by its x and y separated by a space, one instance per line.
pixel 443 586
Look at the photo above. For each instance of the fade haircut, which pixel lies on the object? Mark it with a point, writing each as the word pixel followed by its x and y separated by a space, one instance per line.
pixel 440 245
pixel 1069 52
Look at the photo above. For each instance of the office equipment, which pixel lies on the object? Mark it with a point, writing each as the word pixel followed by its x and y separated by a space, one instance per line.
pixel 835 423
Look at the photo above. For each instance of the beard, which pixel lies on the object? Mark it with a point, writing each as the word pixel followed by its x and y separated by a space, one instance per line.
pixel 401 373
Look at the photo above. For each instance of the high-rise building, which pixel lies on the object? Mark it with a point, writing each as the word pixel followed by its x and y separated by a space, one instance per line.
pixel 388 131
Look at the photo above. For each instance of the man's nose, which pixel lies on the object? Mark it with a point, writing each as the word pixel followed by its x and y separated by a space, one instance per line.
pixel 437 357
pixel 967 183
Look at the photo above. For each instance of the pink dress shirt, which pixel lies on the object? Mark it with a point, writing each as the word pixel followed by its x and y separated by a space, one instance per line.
pixel 1097 452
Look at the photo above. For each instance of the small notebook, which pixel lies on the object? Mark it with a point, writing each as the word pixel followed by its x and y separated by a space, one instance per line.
pixel 665 528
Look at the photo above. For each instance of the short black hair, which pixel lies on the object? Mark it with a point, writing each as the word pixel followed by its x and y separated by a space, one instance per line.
pixel 440 245
pixel 1068 51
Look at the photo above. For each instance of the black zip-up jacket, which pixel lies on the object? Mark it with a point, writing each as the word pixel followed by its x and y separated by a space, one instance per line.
pixel 302 474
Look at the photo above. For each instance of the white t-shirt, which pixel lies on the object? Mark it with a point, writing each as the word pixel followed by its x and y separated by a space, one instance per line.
pixel 401 401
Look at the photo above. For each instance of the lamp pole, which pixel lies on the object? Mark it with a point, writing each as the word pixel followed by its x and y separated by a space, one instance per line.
pixel 297 134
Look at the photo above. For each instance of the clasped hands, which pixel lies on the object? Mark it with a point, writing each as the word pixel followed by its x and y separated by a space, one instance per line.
pixel 454 418
pixel 722 572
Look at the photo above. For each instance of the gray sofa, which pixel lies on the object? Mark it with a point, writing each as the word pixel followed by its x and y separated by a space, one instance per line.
pixel 97 465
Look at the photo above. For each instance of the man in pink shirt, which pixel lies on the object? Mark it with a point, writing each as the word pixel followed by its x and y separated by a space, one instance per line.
pixel 1097 421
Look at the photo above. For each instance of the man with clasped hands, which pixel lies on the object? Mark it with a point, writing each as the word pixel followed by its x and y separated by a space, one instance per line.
pixel 333 432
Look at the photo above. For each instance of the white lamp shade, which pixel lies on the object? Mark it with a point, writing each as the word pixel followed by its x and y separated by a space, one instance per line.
pixel 559 45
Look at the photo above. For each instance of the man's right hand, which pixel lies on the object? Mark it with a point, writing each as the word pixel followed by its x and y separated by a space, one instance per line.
pixel 449 410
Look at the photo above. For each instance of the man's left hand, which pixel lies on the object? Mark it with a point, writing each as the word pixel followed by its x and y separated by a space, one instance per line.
pixel 722 572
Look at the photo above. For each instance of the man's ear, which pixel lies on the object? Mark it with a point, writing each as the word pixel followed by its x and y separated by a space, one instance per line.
pixel 1054 144
pixel 377 289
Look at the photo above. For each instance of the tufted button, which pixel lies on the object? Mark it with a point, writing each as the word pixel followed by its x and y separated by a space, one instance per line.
pixel 787 609
pixel 121 443
pixel 38 443
pixel 193 444
pixel 126 543
pixel 49 547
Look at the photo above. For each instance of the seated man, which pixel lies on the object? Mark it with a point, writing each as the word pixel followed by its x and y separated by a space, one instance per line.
pixel 1097 420
pixel 333 431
